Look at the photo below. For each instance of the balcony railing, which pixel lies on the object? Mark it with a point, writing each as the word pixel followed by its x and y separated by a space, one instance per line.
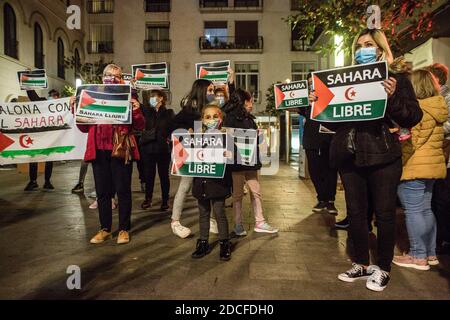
pixel 237 5
pixel 100 47
pixel 157 46
pixel 156 6
pixel 255 43
pixel 97 6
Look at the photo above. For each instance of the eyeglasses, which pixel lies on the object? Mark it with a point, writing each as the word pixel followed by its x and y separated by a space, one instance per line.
pixel 116 76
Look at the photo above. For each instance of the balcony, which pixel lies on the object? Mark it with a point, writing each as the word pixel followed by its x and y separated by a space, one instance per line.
pixel 231 44
pixel 157 6
pixel 100 47
pixel 236 6
pixel 98 7
pixel 157 46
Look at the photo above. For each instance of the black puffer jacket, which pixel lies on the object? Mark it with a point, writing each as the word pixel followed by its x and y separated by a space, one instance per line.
pixel 211 188
pixel 239 118
pixel 161 122
pixel 374 143
pixel 312 138
pixel 185 118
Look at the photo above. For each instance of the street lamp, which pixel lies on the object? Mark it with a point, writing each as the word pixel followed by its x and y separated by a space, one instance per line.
pixel 78 83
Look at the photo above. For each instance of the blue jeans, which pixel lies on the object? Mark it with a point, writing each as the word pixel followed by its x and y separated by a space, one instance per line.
pixel 415 196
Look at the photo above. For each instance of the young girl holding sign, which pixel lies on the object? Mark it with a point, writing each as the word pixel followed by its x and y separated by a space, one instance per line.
pixel 211 194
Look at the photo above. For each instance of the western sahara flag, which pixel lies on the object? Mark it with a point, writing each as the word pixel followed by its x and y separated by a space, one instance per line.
pixel 117 103
pixel 291 95
pixel 350 94
pixel 214 74
pixel 156 77
pixel 33 80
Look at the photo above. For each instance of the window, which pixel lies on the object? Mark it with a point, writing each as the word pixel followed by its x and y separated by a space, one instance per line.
pixel 101 38
pixel 216 34
pixel 100 6
pixel 10 32
pixel 300 70
pixel 247 78
pixel 38 47
pixel 246 34
pixel 157 38
pixel 213 3
pixel 248 3
pixel 77 63
pixel 157 5
pixel 61 67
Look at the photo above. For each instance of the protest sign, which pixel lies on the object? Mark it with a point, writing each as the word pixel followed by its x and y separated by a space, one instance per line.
pixel 216 71
pixel 39 131
pixel 291 95
pixel 353 93
pixel 33 80
pixel 103 104
pixel 151 76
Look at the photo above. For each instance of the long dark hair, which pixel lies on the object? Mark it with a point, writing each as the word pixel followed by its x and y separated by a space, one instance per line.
pixel 237 101
pixel 196 98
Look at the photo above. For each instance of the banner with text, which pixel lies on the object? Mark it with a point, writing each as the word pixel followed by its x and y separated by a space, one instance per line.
pixel 353 93
pixel 39 131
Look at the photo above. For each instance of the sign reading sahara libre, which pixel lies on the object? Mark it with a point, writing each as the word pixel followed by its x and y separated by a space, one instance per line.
pixel 216 71
pixel 151 76
pixel 199 154
pixel 39 131
pixel 291 95
pixel 33 80
pixel 352 93
pixel 103 104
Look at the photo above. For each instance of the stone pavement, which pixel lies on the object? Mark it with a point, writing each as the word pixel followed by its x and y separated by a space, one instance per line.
pixel 44 232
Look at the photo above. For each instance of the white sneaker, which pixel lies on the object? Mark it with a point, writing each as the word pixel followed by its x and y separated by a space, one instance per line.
pixel 266 228
pixel 179 230
pixel 94 205
pixel 213 226
pixel 378 279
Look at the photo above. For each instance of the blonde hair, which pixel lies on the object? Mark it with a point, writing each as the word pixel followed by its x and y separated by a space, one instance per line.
pixel 213 104
pixel 113 67
pixel 424 83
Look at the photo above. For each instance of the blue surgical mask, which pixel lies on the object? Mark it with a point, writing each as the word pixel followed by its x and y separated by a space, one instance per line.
pixel 366 55
pixel 153 101
pixel 221 101
pixel 50 98
pixel 213 124
pixel 210 97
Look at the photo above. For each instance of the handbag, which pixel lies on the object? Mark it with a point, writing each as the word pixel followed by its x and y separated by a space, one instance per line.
pixel 122 146
pixel 343 147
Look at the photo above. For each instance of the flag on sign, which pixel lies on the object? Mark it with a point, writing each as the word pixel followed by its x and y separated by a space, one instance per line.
pixel 31 80
pixel 214 74
pixel 291 95
pixel 151 77
pixel 104 102
pixel 180 155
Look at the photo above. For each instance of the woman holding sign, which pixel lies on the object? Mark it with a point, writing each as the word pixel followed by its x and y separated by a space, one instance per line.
pixel 368 156
pixel 112 171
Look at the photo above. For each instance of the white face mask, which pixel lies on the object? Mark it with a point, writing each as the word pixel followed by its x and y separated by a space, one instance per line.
pixel 153 101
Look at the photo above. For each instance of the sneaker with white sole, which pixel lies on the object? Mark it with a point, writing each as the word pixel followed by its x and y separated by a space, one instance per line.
pixel 408 261
pixel 239 230
pixel 433 261
pixel 101 236
pixel 94 205
pixel 179 230
pixel 265 227
pixel 213 226
pixel 356 272
pixel 378 279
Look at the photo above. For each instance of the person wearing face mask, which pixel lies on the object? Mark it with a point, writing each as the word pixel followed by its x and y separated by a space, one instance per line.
pixel 33 168
pixel 238 115
pixel 374 168
pixel 155 145
pixel 112 173
pixel 202 93
pixel 221 96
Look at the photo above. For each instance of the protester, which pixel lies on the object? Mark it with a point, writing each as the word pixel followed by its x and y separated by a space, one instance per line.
pixel 375 166
pixel 202 93
pixel 155 146
pixel 238 115
pixel 33 168
pixel 108 170
pixel 441 193
pixel 211 194
pixel 423 163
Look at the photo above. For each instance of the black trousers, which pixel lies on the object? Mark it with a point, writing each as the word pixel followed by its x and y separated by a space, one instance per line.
pixel 377 184
pixel 150 162
pixel 441 208
pixel 111 174
pixel 322 175
pixel 34 171
pixel 218 206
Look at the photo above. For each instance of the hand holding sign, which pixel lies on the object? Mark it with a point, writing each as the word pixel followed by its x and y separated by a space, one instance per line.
pixel 390 85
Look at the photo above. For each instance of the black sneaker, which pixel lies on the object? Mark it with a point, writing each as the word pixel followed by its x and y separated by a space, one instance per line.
pixel 225 250
pixel 147 204
pixel 378 279
pixel 79 188
pixel 343 224
pixel 202 249
pixel 32 185
pixel 320 206
pixel 164 206
pixel 48 186
pixel 331 208
pixel 356 272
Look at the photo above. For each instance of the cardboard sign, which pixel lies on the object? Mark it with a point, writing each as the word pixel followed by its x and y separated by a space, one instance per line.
pixel 151 76
pixel 39 131
pixel 127 77
pixel 243 145
pixel 103 104
pixel 33 80
pixel 351 93
pixel 199 154
pixel 291 95
pixel 216 71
